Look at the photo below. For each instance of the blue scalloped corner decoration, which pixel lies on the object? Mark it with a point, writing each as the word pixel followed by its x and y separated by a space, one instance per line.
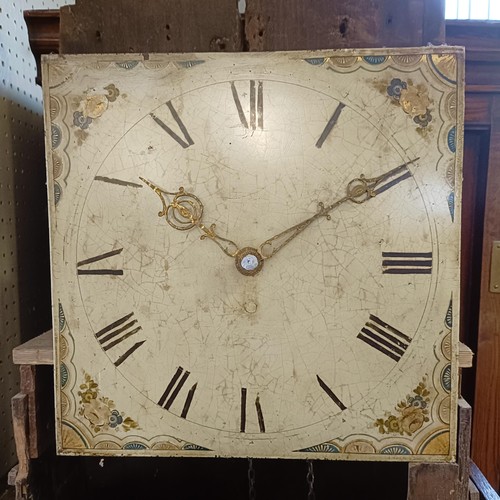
pixel 452 138
pixel 374 60
pixel 315 61
pixel 190 64
pixel 396 449
pixel 321 448
pixel 448 320
pixel 446 378
pixel 57 192
pixel 127 64
pixel 134 445
pixel 63 372
pixel 62 318
pixel 55 136
pixel 451 205
pixel 194 447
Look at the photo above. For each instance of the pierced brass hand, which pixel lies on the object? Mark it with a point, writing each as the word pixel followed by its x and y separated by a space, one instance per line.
pixel 185 211
pixel 358 191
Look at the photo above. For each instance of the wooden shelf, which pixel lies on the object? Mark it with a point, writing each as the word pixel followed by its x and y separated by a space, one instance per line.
pixel 37 351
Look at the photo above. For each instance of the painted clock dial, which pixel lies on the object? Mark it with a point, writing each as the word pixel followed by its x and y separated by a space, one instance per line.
pixel 256 255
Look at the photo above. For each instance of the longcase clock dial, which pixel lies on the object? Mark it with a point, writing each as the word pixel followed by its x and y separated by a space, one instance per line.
pixel 256 257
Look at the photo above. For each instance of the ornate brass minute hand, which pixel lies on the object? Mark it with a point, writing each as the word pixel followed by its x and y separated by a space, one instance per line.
pixel 185 212
pixel 358 190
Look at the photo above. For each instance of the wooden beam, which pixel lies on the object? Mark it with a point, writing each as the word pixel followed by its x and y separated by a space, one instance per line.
pixel 320 24
pixel 19 404
pixel 37 351
pixel 463 448
pixel 433 481
pixel 486 430
pixel 128 26
pixel 482 484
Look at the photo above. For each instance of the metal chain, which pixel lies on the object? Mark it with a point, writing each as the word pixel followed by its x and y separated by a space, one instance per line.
pixel 252 495
pixel 310 480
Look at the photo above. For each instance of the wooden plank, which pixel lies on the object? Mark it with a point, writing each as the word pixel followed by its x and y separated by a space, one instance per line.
pixel 96 26
pixel 28 387
pixel 486 431
pixel 473 491
pixel 19 405
pixel 463 448
pixel 473 34
pixel 486 490
pixel 477 109
pixel 297 24
pixel 443 480
pixel 434 26
pixel 37 351
pixel 481 40
pixel 465 356
pixel 43 31
pixel 432 481
pixel 11 476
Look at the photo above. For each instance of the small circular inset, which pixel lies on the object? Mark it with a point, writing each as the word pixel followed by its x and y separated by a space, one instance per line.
pixel 249 261
pixel 250 307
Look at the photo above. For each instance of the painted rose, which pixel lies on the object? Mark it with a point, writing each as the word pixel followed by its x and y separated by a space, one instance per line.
pixel 412 419
pixel 414 102
pixel 95 106
pixel 97 412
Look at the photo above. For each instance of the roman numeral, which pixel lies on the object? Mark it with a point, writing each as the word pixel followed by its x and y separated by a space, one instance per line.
pixel 256 105
pixel 172 391
pixel 384 337
pixel 118 182
pixel 243 416
pixel 97 258
pixel 331 394
pixel 329 126
pixel 401 172
pixel 117 332
pixel 260 416
pixel 258 409
pixel 184 142
pixel 407 262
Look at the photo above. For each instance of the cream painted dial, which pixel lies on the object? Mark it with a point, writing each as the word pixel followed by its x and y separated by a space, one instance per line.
pixel 255 254
pixel 284 349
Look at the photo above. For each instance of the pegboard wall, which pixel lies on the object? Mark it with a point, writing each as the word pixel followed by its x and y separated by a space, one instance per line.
pixel 24 256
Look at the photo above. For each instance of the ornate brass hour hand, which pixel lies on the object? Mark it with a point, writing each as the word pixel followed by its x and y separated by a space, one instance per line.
pixel 358 191
pixel 185 211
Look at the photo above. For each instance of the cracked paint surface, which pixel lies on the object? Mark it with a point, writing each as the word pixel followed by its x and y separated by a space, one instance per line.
pixel 202 332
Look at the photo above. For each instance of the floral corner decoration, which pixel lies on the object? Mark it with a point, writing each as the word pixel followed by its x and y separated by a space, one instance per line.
pixel 413 100
pixel 412 413
pixel 100 411
pixel 93 106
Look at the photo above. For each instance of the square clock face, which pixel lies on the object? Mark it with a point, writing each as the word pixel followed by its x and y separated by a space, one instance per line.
pixel 256 255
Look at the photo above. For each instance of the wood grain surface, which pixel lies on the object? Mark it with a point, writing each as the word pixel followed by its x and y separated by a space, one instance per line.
pixel 37 351
pixel 321 24
pixel 164 26
pixel 486 426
